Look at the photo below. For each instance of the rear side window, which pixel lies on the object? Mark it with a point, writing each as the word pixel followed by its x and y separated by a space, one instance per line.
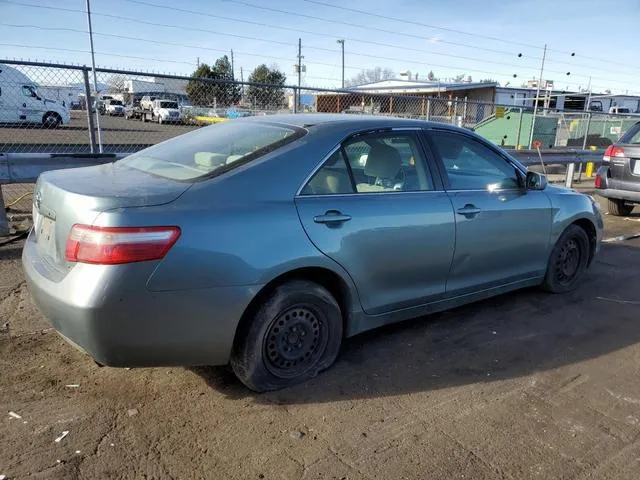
pixel 211 150
pixel 373 163
pixel 631 136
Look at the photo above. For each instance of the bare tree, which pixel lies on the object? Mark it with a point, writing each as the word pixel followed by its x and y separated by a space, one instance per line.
pixel 370 76
pixel 116 83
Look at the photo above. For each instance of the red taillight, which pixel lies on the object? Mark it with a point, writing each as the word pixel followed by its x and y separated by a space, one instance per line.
pixel 598 181
pixel 116 245
pixel 612 151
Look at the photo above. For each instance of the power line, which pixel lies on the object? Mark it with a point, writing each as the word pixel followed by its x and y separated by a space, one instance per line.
pixel 517 67
pixel 379 57
pixel 331 36
pixel 367 27
pixel 462 32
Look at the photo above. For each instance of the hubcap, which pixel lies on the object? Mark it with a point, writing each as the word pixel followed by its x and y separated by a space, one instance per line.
pixel 294 342
pixel 568 262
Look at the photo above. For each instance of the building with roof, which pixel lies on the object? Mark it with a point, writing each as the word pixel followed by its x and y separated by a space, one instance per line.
pixel 405 97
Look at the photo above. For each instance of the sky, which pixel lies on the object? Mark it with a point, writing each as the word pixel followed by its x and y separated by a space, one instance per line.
pixel 490 39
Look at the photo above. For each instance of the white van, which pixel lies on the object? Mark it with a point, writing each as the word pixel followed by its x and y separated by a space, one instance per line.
pixel 20 101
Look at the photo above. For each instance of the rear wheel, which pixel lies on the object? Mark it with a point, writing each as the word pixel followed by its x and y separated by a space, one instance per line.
pixel 568 261
pixel 294 335
pixel 619 207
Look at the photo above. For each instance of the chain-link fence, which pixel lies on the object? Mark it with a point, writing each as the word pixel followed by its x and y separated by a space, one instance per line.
pixel 51 108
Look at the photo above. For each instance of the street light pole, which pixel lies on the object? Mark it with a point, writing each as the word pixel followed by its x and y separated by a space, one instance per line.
pixel 341 42
pixel 95 80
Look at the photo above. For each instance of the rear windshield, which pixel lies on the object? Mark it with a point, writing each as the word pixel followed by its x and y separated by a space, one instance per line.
pixel 212 150
pixel 631 136
pixel 168 105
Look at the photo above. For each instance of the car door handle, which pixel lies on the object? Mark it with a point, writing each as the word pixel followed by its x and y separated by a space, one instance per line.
pixel 332 216
pixel 469 210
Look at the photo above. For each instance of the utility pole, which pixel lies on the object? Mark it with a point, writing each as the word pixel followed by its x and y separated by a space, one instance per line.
pixel 198 62
pixel 95 80
pixel 535 105
pixel 233 72
pixel 299 68
pixel 341 42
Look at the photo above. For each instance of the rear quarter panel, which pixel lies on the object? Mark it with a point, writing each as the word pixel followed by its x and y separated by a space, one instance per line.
pixel 241 228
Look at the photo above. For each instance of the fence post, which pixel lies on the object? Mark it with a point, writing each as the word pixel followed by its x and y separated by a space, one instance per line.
pixel 464 112
pixel 87 93
pixel 4 222
pixel 586 133
pixel 390 104
pixel 295 100
pixel 422 108
pixel 568 181
pixel 517 145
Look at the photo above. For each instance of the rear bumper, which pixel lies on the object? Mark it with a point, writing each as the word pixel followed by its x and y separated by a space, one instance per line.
pixel 109 313
pixel 627 195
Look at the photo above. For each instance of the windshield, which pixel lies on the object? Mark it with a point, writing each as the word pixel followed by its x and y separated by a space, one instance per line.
pixel 214 149
pixel 168 105
pixel 115 102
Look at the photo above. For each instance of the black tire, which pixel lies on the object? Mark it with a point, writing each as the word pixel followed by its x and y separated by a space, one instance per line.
pixel 619 207
pixel 295 334
pixel 51 120
pixel 568 261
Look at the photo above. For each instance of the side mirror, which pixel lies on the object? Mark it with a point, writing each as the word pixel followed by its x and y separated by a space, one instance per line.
pixel 535 181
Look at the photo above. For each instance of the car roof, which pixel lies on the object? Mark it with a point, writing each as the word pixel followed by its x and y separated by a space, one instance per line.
pixel 307 120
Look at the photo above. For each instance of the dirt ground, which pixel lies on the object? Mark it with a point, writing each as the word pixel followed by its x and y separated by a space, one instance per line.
pixel 527 385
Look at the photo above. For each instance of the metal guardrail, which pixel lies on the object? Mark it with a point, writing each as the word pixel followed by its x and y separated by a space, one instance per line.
pixel 26 167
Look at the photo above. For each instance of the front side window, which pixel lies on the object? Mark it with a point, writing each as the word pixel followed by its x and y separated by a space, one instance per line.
pixel 470 165
pixel 28 91
pixel 375 163
pixel 217 148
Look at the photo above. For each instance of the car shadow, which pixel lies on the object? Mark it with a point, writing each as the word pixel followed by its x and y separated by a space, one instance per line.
pixel 502 338
pixel 12 251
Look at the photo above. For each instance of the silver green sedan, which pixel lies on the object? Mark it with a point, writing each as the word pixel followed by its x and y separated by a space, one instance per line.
pixel 263 242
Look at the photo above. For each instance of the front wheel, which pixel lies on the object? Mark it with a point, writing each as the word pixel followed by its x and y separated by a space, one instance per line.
pixel 51 120
pixel 295 334
pixel 568 261
pixel 619 207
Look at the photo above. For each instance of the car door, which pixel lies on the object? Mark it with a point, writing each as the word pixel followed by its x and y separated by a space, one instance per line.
pixel 502 229
pixel 376 209
pixel 31 106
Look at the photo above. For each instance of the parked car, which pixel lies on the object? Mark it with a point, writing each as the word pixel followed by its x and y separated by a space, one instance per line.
pixel 22 103
pixel 618 179
pixel 114 107
pixel 264 241
pixel 146 102
pixel 101 103
pixel 166 111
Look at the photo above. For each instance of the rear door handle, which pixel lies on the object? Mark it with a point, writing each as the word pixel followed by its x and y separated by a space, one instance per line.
pixel 332 216
pixel 469 210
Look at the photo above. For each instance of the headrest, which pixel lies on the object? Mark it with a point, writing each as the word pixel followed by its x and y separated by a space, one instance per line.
pixel 209 160
pixel 383 161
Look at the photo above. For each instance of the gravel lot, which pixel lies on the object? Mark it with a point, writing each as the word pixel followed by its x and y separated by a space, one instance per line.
pixel 116 132
pixel 527 385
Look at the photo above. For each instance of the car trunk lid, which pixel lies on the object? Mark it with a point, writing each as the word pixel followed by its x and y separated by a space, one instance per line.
pixel 63 198
pixel 626 168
